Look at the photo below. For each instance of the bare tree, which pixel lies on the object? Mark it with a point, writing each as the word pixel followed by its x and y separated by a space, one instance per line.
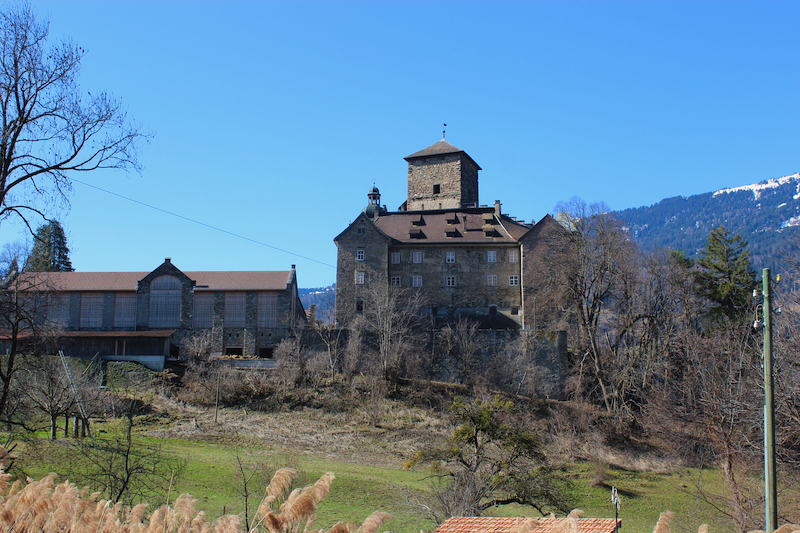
pixel 13 257
pixel 47 389
pixel 332 337
pixel 252 473
pixel 711 410
pixel 50 129
pixel 353 353
pixel 25 306
pixel 197 347
pixel 392 315
pixel 292 360
pixel 462 343
pixel 599 265
pixel 124 465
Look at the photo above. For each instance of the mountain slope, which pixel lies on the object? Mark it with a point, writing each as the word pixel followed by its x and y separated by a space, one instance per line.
pixel 766 214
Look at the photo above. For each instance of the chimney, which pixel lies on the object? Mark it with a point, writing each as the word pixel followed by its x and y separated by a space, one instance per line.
pixel 168 260
pixel 497 208
pixel 312 315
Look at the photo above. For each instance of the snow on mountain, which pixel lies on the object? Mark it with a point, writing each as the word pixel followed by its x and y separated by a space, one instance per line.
pixel 758 188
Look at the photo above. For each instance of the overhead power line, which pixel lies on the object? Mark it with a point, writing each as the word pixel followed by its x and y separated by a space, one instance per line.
pixel 203 224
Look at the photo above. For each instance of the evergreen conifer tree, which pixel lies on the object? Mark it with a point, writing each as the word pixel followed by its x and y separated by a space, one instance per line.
pixel 50 252
pixel 726 279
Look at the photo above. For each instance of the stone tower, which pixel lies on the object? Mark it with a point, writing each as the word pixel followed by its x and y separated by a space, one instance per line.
pixel 442 177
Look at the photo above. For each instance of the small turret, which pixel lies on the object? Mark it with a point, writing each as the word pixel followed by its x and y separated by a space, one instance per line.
pixel 373 209
pixel 374 196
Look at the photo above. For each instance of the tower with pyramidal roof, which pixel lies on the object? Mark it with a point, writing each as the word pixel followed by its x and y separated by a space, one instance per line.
pixel 467 259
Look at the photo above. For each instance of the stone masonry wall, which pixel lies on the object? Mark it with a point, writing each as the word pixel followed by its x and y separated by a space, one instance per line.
pixel 472 293
pixel 455 176
pixel 361 235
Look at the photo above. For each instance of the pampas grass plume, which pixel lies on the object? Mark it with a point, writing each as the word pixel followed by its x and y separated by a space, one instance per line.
pixel 342 527
pixel 526 525
pixel 664 519
pixel 46 507
pixel 374 521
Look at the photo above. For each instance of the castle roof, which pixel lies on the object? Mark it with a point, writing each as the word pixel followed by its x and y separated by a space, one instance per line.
pixel 462 226
pixel 441 148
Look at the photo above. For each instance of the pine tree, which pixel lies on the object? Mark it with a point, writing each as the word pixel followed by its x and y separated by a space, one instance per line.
pixel 726 279
pixel 50 252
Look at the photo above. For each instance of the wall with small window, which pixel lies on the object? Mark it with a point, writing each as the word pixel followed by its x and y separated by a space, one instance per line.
pixel 363 256
pixel 467 279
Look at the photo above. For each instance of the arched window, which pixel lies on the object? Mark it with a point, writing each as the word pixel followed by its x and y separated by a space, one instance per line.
pixel 165 302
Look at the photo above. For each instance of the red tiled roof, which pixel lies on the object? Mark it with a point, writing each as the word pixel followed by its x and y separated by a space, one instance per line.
pixel 492 524
pixel 127 281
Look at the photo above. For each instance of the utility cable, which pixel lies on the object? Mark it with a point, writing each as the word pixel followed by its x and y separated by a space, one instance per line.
pixel 202 223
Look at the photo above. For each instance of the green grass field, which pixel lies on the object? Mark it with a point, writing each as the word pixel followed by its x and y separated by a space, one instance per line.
pixel 361 486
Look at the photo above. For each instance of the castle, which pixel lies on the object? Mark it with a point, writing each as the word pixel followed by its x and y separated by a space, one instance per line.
pixel 466 259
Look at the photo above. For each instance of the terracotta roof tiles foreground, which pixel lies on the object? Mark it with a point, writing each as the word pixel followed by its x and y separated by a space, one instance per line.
pixel 492 524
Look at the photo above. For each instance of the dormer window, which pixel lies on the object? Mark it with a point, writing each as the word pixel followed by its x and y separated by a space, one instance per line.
pixel 416 233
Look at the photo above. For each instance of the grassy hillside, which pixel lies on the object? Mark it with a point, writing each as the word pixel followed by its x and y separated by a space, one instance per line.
pixel 367 457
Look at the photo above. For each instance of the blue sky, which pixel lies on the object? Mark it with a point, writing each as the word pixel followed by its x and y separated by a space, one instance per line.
pixel 273 119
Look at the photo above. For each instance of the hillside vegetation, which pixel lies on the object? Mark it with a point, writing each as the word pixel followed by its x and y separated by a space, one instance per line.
pixel 765 214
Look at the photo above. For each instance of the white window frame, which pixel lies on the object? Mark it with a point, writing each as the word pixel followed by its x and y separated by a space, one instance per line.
pixel 361 277
pixel 513 256
pixel 416 281
pixel 395 281
pixel 450 257
pixel 396 258
pixel 491 280
pixel 513 280
pixel 360 254
pixel 450 281
pixel 416 257
pixel 491 256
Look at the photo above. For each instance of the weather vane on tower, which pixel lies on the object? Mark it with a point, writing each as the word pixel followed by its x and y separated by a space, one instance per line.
pixel 443 132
